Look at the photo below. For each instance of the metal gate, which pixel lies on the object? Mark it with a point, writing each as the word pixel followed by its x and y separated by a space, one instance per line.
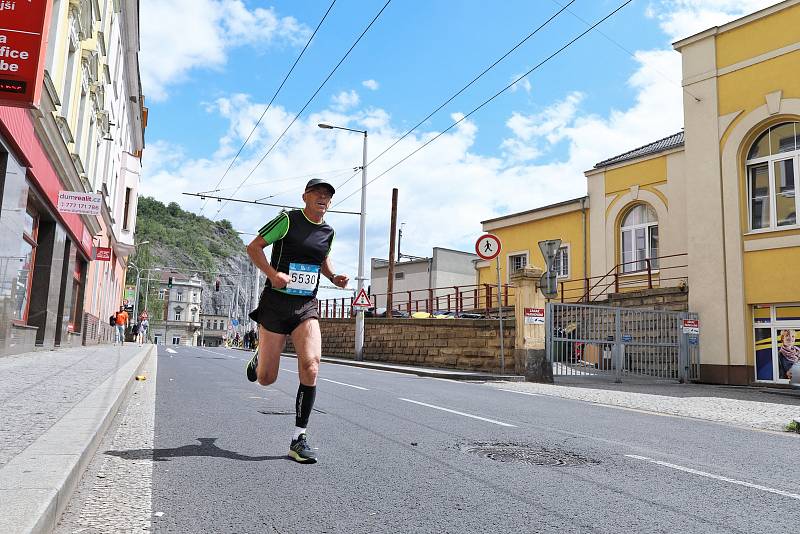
pixel 587 340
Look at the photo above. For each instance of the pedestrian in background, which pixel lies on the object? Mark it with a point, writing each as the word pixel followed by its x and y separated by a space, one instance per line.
pixel 122 323
pixel 144 324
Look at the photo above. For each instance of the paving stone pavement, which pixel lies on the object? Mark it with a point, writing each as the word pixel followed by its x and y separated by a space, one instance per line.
pixel 710 403
pixel 38 388
pixel 115 494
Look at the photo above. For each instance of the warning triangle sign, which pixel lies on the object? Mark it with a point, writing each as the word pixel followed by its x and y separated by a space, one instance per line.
pixel 362 300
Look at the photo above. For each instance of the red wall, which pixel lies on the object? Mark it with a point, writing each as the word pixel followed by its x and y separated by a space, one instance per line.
pixel 16 126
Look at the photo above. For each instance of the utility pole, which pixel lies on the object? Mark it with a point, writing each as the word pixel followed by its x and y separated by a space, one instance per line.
pixel 390 280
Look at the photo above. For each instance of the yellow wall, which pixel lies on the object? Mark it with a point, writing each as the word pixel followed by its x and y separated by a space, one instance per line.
pixel 745 89
pixel 758 37
pixel 526 236
pixel 651 171
pixel 771 276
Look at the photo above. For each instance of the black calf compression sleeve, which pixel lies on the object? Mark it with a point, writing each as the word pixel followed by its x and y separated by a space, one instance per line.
pixel 304 404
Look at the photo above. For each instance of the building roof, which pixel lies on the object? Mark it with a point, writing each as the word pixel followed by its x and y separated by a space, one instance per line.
pixel 535 210
pixel 668 143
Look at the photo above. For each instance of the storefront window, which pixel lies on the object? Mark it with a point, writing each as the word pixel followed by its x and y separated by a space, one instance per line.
pixel 777 348
pixel 27 256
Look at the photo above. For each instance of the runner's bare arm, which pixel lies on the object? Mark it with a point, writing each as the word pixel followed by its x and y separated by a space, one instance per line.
pixel 339 280
pixel 256 252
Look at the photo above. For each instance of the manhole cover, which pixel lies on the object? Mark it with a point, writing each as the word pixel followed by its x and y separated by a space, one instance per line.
pixel 527 454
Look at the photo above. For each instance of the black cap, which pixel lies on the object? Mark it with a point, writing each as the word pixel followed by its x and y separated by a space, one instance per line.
pixel 319 181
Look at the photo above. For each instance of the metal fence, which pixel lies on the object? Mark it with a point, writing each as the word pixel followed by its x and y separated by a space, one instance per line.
pixel 588 340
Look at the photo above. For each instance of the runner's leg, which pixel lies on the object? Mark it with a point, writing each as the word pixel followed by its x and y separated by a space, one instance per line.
pixel 308 342
pixel 270 346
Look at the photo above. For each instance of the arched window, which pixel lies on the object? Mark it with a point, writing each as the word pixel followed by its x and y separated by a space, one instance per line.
pixel 772 169
pixel 639 239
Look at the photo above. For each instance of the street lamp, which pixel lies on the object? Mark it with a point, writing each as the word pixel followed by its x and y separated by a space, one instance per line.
pixel 362 239
pixel 138 273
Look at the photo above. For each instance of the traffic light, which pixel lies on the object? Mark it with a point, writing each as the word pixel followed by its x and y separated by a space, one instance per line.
pixel 216 285
pixel 169 282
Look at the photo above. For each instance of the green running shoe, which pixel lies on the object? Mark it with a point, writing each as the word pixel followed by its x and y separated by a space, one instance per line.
pixel 251 367
pixel 299 451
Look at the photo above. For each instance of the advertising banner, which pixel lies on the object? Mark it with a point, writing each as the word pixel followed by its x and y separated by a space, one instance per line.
pixel 23 42
pixel 77 202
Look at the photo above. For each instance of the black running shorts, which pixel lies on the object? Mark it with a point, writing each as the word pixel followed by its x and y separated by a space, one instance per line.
pixel 282 313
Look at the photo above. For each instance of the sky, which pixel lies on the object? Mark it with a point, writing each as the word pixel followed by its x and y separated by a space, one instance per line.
pixel 209 68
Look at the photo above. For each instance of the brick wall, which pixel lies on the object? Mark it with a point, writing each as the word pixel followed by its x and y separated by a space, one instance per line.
pixel 662 298
pixel 465 344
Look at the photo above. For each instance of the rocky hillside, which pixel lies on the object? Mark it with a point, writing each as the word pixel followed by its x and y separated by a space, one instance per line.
pixel 184 243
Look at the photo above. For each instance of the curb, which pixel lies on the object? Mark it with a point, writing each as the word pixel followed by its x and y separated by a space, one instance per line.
pixel 37 484
pixel 430 372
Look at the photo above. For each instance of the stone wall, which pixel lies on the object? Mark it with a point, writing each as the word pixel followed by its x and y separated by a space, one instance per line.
pixel 467 344
pixel 662 298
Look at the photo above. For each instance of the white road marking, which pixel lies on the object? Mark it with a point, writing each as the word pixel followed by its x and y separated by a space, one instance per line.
pixel 523 392
pixel 171 351
pixel 220 354
pixel 459 413
pixel 715 477
pixel 289 370
pixel 343 384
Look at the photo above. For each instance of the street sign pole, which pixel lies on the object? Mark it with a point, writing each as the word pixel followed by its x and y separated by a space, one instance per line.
pixel 500 314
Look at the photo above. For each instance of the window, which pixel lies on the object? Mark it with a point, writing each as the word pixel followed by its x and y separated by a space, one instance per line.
pixel 772 169
pixel 561 262
pixel 208 324
pixel 178 313
pixel 639 239
pixel 126 213
pixel 176 340
pixel 26 259
pixel 222 325
pixel 517 262
pixel 179 295
pixel 194 315
pixel 399 276
pixel 162 294
pixel 215 324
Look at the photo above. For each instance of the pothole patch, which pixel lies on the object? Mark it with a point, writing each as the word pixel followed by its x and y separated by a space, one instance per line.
pixel 527 454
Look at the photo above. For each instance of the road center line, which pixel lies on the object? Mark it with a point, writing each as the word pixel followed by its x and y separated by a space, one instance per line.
pixel 171 351
pixel 343 384
pixel 458 413
pixel 288 370
pixel 715 477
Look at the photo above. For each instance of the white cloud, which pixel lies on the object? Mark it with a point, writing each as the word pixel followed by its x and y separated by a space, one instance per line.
pixel 372 85
pixel 683 18
pixel 345 100
pixel 181 35
pixel 524 84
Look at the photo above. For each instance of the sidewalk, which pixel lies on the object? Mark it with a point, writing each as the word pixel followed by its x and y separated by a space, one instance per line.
pixel 55 407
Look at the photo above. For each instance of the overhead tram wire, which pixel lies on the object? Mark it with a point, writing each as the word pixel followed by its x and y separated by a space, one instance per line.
pixel 302 186
pixel 340 172
pixel 621 47
pixel 487 101
pixel 297 116
pixel 259 203
pixel 475 79
pixel 272 100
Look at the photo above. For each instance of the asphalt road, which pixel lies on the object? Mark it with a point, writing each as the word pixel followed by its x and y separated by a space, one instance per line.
pixel 400 453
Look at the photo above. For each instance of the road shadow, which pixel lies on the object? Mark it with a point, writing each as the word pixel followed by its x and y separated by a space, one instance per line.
pixel 207 447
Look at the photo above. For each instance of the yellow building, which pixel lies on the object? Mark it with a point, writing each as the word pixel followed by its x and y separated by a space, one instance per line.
pixel 714 206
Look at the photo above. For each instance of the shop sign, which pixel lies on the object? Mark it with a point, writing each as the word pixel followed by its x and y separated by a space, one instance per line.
pixel 691 326
pixel 534 315
pixel 102 253
pixel 23 26
pixel 77 202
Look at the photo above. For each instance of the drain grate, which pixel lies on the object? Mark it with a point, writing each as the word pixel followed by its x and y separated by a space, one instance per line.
pixel 527 454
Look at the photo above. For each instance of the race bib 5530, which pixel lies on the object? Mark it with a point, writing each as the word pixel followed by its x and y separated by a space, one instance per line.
pixel 302 279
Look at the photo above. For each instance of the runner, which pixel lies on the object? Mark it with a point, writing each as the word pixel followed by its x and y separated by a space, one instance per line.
pixel 122 322
pixel 301 242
